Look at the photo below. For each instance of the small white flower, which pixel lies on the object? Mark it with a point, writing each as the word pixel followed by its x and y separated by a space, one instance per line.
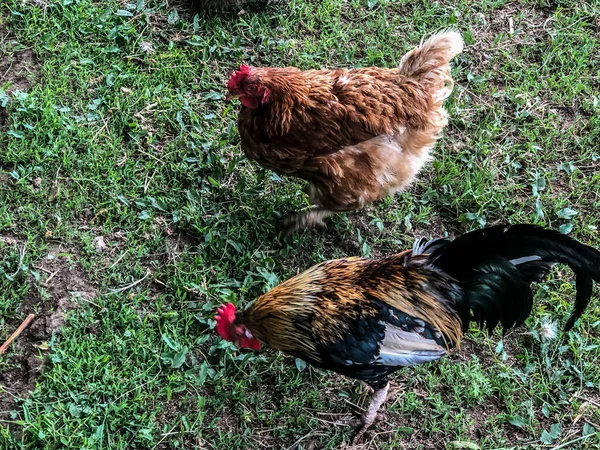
pixel 147 47
pixel 548 329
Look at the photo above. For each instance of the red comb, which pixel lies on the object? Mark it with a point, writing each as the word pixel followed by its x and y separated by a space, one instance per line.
pixel 237 77
pixel 224 317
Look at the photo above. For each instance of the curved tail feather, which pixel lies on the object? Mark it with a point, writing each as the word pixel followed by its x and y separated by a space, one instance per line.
pixel 435 53
pixel 495 267
pixel 429 63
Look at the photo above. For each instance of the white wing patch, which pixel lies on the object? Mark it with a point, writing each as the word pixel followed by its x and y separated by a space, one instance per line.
pixel 524 259
pixel 419 245
pixel 405 348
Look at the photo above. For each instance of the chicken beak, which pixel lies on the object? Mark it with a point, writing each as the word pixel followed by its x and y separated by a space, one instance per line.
pixel 230 96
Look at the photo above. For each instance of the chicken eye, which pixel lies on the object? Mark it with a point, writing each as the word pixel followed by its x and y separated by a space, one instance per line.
pixel 251 89
pixel 240 332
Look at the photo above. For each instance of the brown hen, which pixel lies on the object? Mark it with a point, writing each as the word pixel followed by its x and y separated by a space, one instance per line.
pixel 356 135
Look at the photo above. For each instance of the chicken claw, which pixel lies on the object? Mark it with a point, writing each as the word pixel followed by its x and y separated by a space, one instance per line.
pixel 293 223
pixel 379 397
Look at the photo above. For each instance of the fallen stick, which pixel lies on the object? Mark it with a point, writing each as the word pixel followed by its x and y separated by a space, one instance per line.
pixel 17 332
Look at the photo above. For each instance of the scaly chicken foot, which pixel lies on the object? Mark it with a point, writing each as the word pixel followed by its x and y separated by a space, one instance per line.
pixel 379 397
pixel 293 223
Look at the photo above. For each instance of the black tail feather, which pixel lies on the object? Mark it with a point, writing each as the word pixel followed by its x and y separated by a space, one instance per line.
pixel 495 266
pixel 496 293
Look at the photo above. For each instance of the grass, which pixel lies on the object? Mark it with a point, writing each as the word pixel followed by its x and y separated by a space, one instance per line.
pixel 108 140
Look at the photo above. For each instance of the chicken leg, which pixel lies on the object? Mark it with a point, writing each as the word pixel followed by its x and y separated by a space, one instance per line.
pixel 293 223
pixel 379 397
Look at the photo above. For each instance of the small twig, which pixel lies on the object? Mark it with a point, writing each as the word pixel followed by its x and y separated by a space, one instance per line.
pixel 120 163
pixel 566 444
pixel 587 400
pixel 147 181
pixel 150 155
pixel 360 408
pixel 129 286
pixel 42 269
pixel 7 70
pixel 90 302
pixel 329 422
pixel 156 280
pixel 17 332
pixel 102 128
pixel 164 436
pixel 147 108
pixel 21 257
pixel 52 275
pixel 140 386
pixel 312 433
pixel 192 291
pixel 118 259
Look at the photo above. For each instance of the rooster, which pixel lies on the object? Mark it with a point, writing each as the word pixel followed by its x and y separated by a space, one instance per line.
pixel 355 135
pixel 367 318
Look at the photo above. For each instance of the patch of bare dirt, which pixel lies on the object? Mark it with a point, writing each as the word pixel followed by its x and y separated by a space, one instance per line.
pixel 62 282
pixel 18 66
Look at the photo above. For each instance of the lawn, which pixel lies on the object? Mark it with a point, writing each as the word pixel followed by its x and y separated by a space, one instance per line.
pixel 128 213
